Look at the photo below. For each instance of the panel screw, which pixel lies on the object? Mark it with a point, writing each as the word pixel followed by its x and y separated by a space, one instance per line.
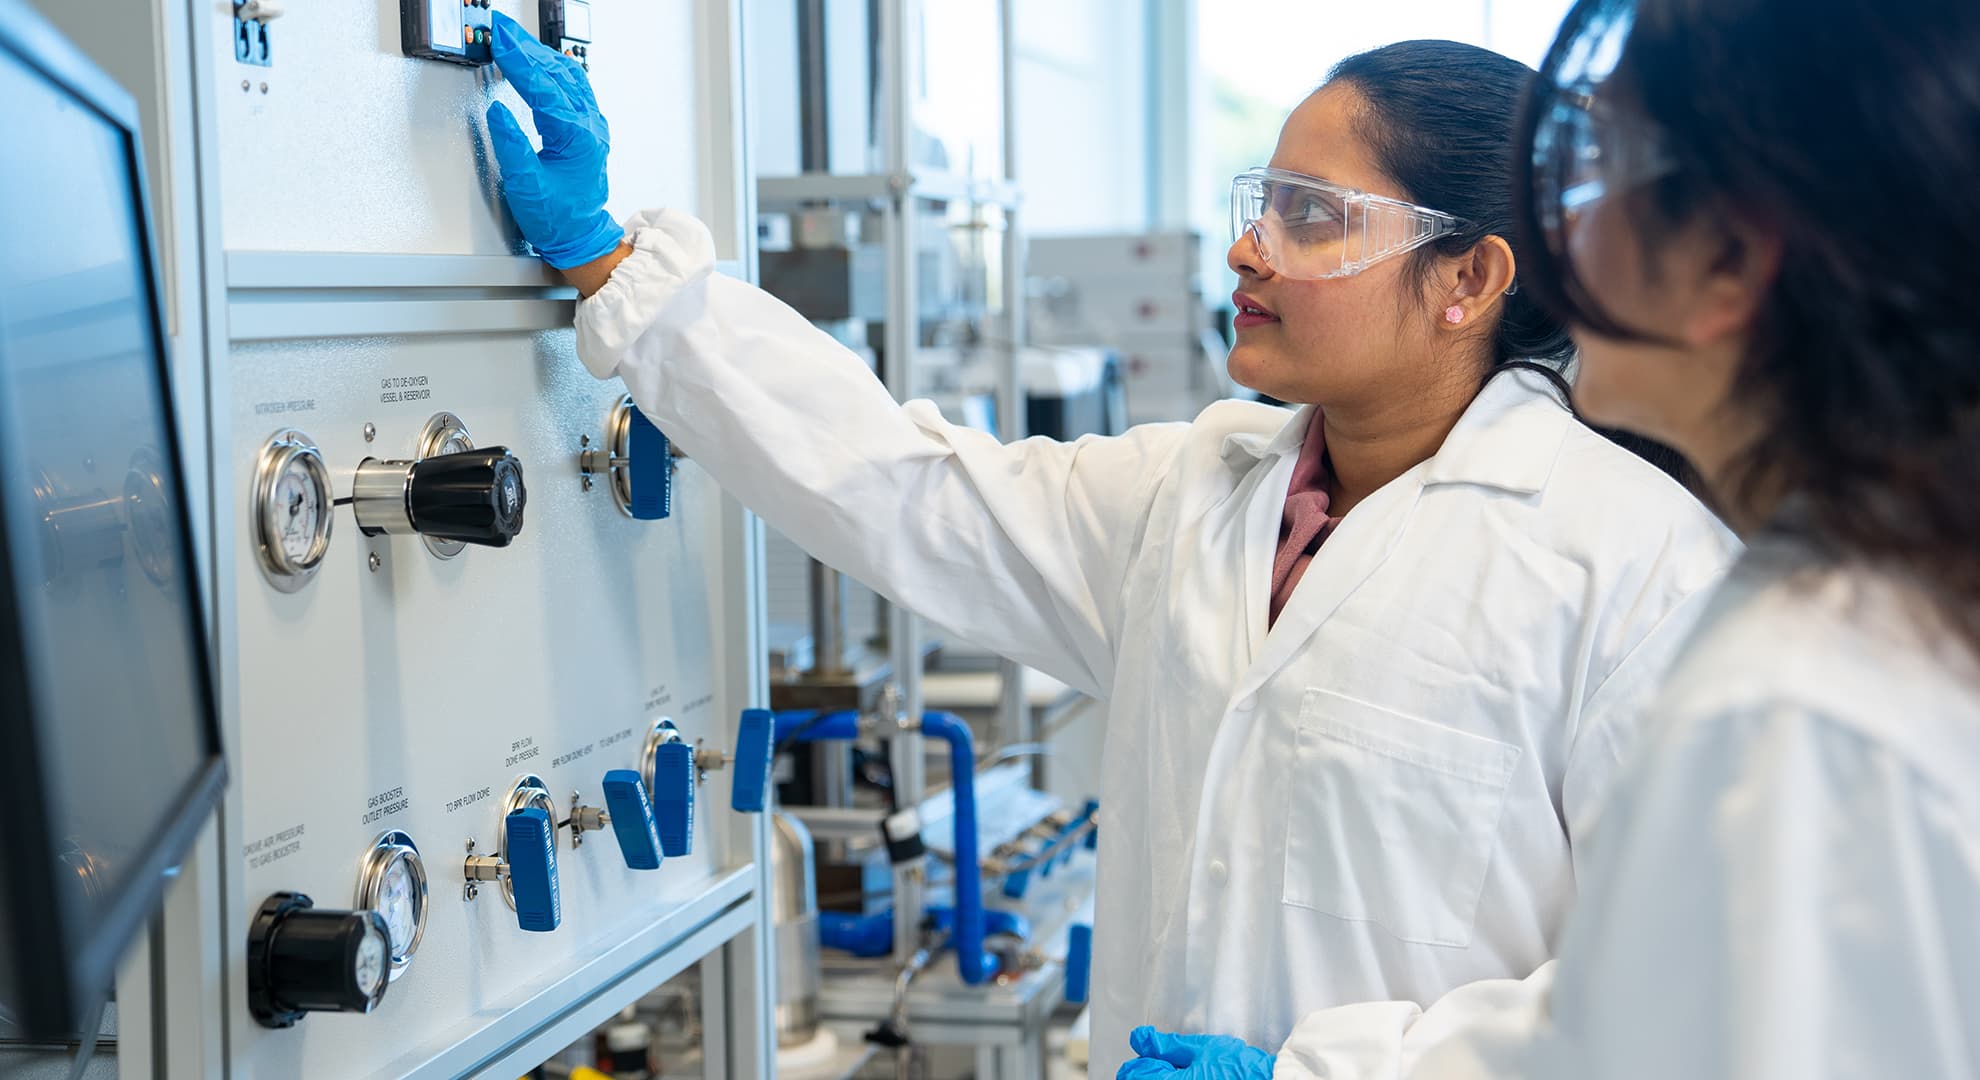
pixel 370 431
pixel 375 562
pixel 264 88
pixel 246 86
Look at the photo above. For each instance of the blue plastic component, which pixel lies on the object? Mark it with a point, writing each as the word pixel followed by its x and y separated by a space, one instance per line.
pixel 750 773
pixel 673 798
pixel 650 469
pixel 975 965
pixel 805 725
pixel 532 856
pixel 1093 837
pixel 1079 962
pixel 861 935
pixel 632 819
pixel 1017 882
pixel 995 921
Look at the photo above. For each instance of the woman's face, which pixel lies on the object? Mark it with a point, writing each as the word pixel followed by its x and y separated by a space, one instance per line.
pixel 1337 341
pixel 1697 290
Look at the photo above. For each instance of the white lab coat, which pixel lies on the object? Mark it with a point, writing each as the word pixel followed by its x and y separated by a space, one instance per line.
pixel 1384 786
pixel 1785 886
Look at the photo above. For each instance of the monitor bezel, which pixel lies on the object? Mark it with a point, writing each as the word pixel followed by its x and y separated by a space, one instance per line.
pixel 72 974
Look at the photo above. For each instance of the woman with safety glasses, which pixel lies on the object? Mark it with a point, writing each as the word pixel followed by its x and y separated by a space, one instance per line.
pixel 1759 215
pixel 1370 665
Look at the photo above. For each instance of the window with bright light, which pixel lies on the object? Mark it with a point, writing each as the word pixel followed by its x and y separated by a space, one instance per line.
pixel 1260 59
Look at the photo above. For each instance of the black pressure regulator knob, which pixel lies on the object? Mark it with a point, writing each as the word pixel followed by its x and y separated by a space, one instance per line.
pixel 473 497
pixel 305 959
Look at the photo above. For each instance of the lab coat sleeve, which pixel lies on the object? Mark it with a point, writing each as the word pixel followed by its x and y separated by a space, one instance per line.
pixel 1383 1040
pixel 1618 710
pixel 1021 548
pixel 1777 897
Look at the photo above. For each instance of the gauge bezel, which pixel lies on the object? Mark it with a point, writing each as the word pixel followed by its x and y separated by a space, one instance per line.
pixel 146 493
pixel 286 448
pixel 529 790
pixel 662 732
pixel 618 442
pixel 389 848
pixel 442 428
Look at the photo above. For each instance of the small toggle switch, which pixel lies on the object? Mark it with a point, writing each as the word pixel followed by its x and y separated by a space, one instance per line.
pixel 526 861
pixel 637 460
pixel 670 767
pixel 629 813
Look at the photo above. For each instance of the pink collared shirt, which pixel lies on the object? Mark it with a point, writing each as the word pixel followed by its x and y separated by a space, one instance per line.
pixel 1306 523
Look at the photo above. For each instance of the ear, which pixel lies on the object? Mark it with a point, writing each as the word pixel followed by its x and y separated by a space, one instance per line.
pixel 1483 277
pixel 1739 263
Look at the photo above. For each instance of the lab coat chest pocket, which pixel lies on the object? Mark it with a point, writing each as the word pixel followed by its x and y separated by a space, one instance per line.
pixel 1392 820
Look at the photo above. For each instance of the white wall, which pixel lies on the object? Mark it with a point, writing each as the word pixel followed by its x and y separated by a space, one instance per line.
pixel 1081 77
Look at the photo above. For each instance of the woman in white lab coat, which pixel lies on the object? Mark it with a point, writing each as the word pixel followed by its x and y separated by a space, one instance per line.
pixel 1760 215
pixel 1382 758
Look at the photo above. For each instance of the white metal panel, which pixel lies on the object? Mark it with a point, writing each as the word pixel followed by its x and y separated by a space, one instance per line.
pixel 354 147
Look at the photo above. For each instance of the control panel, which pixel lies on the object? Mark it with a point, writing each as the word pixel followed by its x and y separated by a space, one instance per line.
pixel 485 636
pixel 452 31
pixel 565 25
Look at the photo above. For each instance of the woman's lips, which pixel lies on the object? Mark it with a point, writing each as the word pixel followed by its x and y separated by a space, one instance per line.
pixel 1250 312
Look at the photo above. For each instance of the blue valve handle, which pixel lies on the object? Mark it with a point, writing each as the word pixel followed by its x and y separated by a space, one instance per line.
pixel 1017 882
pixel 650 466
pixel 751 770
pixel 673 797
pixel 632 819
pixel 1079 962
pixel 1093 835
pixel 532 855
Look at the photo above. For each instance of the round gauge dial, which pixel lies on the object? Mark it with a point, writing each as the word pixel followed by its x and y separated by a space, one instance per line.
pixel 292 512
pixel 369 964
pixel 444 433
pixel 392 882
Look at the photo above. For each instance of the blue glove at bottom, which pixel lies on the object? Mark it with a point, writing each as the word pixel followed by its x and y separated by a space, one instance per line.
pixel 1194 1057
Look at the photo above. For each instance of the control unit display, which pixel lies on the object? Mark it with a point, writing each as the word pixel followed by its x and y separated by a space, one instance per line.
pixel 454 31
pixel 291 509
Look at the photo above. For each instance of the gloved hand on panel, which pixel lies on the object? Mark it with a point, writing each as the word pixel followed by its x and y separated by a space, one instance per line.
pixel 1193 1057
pixel 558 194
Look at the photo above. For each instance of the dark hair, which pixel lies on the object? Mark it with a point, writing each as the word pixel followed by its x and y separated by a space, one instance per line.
pixel 1853 131
pixel 1440 118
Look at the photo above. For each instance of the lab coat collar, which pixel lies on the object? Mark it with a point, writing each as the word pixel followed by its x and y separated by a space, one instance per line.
pixel 1508 438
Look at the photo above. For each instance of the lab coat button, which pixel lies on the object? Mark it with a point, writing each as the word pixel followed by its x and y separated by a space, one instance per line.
pixel 1219 873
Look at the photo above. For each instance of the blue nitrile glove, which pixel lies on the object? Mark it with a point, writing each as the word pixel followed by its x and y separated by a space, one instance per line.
pixel 1194 1057
pixel 557 196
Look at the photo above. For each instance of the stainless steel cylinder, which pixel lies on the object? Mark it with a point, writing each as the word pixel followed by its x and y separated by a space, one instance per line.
pixel 828 621
pixel 379 496
pixel 794 905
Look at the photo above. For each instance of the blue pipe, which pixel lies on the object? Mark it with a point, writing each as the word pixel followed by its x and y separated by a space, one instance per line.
pixel 834 727
pixel 860 935
pixel 972 962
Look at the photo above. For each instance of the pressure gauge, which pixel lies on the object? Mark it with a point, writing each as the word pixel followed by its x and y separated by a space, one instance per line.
pixel 444 433
pixel 292 510
pixel 392 882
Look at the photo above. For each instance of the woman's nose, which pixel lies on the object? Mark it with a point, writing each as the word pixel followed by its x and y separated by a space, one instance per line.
pixel 1245 256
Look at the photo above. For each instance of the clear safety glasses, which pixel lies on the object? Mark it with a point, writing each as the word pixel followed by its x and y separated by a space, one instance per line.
pixel 1584 149
pixel 1307 228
